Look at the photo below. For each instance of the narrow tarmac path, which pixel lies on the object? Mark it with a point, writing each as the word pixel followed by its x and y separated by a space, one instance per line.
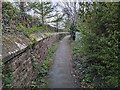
pixel 60 74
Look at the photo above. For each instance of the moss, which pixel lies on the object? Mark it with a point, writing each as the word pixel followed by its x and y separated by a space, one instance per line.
pixel 18 39
pixel 32 37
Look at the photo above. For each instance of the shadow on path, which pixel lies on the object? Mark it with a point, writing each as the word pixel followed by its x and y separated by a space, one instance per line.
pixel 60 74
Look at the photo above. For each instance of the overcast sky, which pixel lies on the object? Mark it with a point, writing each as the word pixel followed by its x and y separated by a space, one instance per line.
pixel 46 0
pixel 54 1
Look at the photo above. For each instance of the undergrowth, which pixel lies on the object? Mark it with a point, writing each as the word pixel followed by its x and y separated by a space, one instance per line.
pixel 41 81
pixel 96 63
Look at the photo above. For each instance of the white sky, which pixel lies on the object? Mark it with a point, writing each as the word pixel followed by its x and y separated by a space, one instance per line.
pixel 64 0
pixel 46 0
pixel 61 1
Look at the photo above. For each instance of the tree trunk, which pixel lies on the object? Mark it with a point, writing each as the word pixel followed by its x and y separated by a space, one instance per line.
pixel 0 15
pixel 22 11
pixel 0 39
pixel 42 3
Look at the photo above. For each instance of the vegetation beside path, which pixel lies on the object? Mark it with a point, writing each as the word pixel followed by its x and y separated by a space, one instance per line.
pixel 41 80
pixel 96 52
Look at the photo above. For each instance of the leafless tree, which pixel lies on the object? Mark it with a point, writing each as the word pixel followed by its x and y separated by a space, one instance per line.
pixel 71 10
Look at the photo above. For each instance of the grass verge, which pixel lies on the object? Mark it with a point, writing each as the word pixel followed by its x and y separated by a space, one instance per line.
pixel 41 81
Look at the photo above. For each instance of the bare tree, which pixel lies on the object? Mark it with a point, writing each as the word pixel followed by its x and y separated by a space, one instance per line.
pixel 71 10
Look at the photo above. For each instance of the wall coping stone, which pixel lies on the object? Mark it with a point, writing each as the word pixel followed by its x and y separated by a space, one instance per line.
pixel 17 53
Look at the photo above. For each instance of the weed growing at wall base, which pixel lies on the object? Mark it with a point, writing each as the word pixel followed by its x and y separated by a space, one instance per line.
pixel 43 69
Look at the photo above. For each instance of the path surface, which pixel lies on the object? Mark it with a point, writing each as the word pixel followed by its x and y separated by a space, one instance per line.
pixel 60 74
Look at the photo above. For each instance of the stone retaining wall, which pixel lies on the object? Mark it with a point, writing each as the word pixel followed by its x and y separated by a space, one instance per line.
pixel 20 69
